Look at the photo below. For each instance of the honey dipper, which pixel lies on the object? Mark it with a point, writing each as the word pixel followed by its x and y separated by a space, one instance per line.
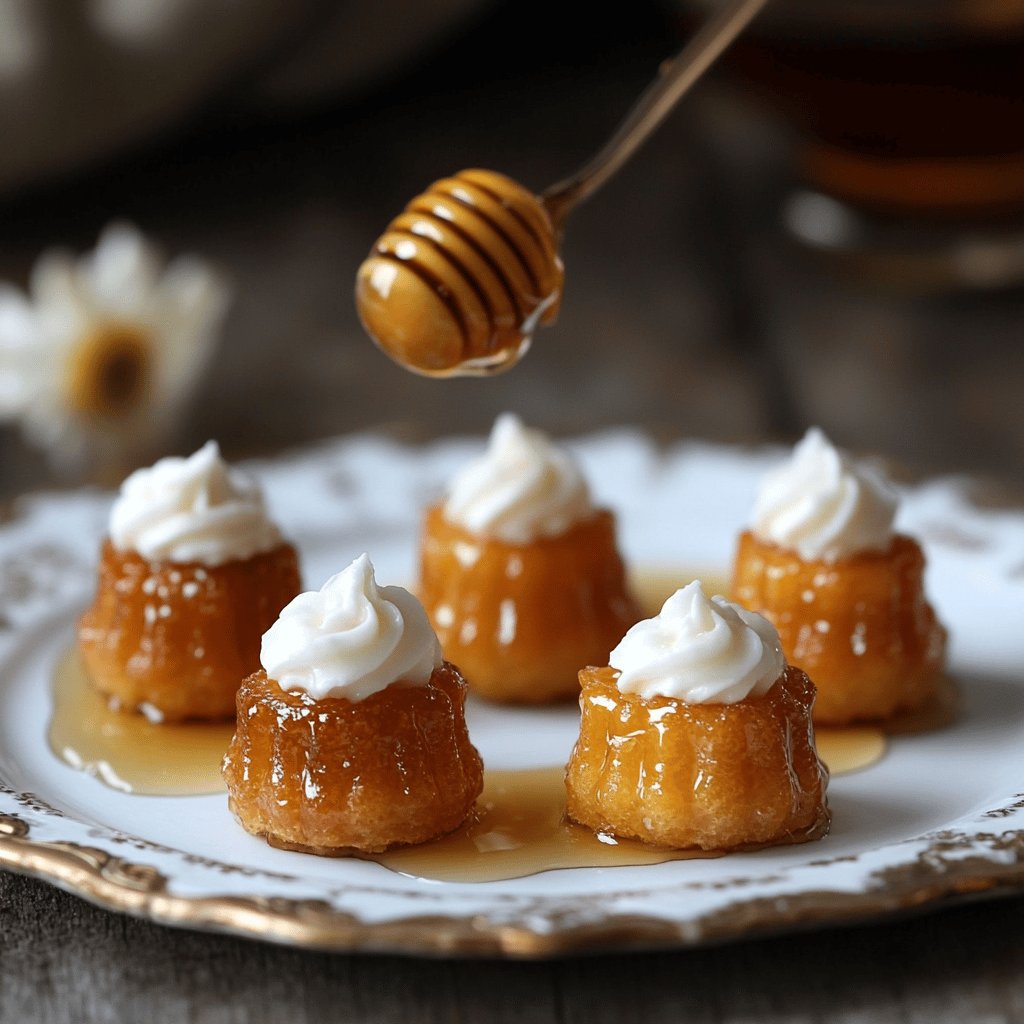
pixel 461 278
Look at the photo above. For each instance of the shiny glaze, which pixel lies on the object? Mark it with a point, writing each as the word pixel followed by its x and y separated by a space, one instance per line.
pixel 861 627
pixel 332 774
pixel 129 753
pixel 460 280
pixel 174 639
pixel 714 776
pixel 844 750
pixel 518 827
pixel 520 620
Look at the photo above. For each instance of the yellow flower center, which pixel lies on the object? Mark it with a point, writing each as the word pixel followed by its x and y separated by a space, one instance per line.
pixel 109 370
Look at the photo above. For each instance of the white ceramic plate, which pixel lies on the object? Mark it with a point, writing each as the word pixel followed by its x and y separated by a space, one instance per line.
pixel 941 815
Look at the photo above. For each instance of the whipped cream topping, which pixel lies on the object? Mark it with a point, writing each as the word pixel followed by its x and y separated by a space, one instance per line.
pixel 699 651
pixel 823 505
pixel 350 638
pixel 195 509
pixel 522 488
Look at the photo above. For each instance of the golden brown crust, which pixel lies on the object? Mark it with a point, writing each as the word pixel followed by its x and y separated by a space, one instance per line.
pixel 520 619
pixel 707 776
pixel 334 776
pixel 860 627
pixel 180 636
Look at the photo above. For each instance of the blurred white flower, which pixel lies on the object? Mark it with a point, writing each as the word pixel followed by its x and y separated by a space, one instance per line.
pixel 101 355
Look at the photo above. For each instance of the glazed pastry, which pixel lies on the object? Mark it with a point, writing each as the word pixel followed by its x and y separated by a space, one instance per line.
pixel 698 735
pixel 846 593
pixel 520 574
pixel 192 574
pixel 352 737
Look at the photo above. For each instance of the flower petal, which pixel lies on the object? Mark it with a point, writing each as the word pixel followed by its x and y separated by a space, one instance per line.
pixel 17 391
pixel 193 301
pixel 55 284
pixel 18 328
pixel 21 360
pixel 123 271
pixel 193 296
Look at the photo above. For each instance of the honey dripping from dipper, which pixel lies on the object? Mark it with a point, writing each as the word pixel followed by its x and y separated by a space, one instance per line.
pixel 461 279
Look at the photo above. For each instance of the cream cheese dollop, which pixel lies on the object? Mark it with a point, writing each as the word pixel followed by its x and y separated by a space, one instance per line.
pixel 350 638
pixel 823 505
pixel 699 650
pixel 521 489
pixel 195 509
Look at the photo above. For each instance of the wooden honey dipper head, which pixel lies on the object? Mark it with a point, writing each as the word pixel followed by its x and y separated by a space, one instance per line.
pixel 461 278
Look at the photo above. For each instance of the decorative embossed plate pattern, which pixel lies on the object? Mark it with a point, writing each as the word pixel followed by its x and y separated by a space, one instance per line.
pixel 941 815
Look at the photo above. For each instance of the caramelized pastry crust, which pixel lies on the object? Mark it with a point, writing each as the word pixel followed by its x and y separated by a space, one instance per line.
pixel 335 777
pixel 860 627
pixel 520 619
pixel 706 776
pixel 176 637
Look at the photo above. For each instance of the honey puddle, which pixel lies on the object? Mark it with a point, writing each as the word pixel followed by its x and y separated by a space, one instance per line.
pixel 125 750
pixel 653 587
pixel 850 749
pixel 133 755
pixel 519 826
pixel 517 829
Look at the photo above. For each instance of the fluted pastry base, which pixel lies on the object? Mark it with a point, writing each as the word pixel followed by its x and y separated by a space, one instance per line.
pixel 520 620
pixel 860 627
pixel 705 776
pixel 334 777
pixel 176 638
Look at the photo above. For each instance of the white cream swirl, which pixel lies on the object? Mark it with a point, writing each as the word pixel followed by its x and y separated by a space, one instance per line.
pixel 822 505
pixel 195 509
pixel 699 651
pixel 350 638
pixel 522 488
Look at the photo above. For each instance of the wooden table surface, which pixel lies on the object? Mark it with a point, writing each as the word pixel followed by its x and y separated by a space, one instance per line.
pixel 688 314
pixel 62 960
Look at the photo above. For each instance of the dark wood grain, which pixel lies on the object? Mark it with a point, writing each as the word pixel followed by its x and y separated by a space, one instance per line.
pixel 62 960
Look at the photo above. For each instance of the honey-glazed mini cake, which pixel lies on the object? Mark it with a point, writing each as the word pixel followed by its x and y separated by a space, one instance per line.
pixel 698 735
pixel 845 591
pixel 520 573
pixel 352 737
pixel 192 574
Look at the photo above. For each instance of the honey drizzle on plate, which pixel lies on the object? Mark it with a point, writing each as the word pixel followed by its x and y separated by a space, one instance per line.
pixel 133 755
pixel 518 827
pixel 126 751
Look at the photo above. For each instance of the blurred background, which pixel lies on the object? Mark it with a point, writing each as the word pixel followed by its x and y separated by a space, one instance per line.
pixel 829 230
